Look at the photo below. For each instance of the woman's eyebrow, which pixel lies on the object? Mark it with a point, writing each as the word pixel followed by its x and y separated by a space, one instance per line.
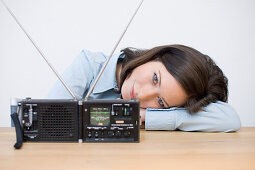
pixel 160 87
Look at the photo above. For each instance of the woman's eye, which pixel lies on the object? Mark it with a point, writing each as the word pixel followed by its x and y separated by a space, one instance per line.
pixel 155 78
pixel 160 102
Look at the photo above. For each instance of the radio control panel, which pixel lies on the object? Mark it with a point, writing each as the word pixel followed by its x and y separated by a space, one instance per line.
pixel 112 121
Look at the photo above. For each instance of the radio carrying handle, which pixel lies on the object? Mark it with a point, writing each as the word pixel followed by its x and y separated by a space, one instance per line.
pixel 18 129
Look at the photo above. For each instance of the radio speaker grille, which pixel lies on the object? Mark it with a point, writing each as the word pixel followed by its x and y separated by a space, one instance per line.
pixel 58 122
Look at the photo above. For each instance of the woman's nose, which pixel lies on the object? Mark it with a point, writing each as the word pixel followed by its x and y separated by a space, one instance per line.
pixel 146 93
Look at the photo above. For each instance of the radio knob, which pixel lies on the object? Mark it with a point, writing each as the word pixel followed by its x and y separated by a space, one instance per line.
pixel 110 133
pixel 96 134
pixel 126 133
pixel 118 133
pixel 89 134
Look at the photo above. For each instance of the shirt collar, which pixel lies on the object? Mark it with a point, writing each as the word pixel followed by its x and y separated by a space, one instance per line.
pixel 108 79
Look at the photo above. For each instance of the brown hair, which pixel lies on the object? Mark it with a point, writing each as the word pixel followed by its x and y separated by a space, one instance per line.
pixel 202 80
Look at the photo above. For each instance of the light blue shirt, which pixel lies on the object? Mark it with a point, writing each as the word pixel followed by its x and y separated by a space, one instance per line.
pixel 80 75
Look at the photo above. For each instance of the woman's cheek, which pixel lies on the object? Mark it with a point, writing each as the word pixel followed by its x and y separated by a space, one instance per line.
pixel 124 90
pixel 126 87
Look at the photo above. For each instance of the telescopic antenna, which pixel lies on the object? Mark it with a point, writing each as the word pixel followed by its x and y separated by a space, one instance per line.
pixel 116 45
pixel 38 49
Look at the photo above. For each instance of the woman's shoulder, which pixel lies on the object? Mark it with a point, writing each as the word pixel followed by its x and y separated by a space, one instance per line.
pixel 95 57
pixel 90 61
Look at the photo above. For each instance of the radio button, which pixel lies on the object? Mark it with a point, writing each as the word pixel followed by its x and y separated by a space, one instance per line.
pixel 119 121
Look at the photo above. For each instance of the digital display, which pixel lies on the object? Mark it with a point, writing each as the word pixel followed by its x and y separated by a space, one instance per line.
pixel 100 116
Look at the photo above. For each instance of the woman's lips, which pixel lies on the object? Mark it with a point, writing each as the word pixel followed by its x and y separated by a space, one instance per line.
pixel 132 92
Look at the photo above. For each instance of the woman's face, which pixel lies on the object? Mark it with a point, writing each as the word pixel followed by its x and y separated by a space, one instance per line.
pixel 153 86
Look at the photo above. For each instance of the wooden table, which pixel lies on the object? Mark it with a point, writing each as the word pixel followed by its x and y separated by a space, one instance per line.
pixel 157 150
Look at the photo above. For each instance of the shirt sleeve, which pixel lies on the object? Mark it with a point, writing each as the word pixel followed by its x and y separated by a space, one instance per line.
pixel 216 117
pixel 78 76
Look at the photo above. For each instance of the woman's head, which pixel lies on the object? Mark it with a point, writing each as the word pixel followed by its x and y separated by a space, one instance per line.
pixel 173 75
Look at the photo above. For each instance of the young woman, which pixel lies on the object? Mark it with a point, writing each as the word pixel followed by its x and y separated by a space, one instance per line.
pixel 178 87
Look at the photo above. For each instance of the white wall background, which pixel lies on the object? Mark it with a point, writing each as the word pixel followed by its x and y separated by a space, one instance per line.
pixel 225 30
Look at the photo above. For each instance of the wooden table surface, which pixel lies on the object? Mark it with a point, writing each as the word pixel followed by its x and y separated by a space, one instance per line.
pixel 157 150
